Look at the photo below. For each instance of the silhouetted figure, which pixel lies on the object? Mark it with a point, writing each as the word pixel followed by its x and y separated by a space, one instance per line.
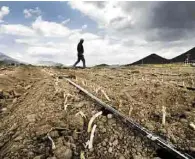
pixel 80 51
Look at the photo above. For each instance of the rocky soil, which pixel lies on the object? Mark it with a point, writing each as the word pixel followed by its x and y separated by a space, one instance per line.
pixel 42 116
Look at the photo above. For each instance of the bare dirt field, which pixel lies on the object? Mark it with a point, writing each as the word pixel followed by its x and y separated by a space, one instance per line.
pixel 42 116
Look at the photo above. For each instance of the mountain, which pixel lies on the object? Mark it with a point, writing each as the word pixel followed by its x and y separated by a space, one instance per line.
pixel 102 65
pixel 48 63
pixel 114 66
pixel 182 57
pixel 106 66
pixel 4 59
pixel 151 59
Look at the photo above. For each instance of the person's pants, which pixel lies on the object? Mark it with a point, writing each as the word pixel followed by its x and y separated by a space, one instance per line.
pixel 80 58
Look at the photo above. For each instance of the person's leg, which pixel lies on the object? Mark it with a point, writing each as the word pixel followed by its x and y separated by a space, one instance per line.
pixel 83 60
pixel 78 60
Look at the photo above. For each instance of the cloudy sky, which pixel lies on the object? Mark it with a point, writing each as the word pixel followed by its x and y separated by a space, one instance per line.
pixel 114 32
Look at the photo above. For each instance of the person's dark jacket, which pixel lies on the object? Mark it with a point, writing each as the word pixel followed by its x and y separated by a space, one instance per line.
pixel 80 48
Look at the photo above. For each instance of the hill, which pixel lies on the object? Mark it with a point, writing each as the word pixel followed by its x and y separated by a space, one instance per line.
pixel 101 65
pixel 48 63
pixel 151 59
pixel 4 59
pixel 107 66
pixel 182 57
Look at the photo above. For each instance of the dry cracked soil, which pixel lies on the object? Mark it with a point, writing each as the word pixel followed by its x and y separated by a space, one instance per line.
pixel 42 116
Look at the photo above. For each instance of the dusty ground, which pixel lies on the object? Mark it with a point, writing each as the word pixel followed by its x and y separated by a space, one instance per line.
pixel 34 104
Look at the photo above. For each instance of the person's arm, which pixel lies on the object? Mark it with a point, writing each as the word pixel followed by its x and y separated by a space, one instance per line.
pixel 78 48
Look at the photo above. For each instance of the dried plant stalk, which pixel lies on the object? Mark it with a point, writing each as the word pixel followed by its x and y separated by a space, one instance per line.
pixel 84 82
pixel 92 119
pixel 91 137
pixel 97 90
pixel 94 87
pixel 65 100
pixel 183 84
pixel 163 115
pixel 65 106
pixel 120 105
pixel 81 113
pixel 82 155
pixel 66 96
pixel 193 83
pixel 104 93
pixel 192 125
pixel 130 111
pixel 52 142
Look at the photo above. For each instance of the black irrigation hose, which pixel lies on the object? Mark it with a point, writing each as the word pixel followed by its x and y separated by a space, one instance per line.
pixel 155 139
pixel 189 88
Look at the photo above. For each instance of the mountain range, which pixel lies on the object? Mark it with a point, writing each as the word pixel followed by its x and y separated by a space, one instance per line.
pixel 48 63
pixel 4 59
pixel 156 59
pixel 183 56
pixel 150 59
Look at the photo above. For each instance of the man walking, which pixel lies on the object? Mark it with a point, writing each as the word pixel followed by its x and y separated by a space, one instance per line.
pixel 80 51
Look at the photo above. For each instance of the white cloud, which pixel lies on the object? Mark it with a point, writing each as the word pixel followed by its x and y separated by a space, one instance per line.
pixel 28 13
pixel 3 12
pixel 3 46
pixel 50 29
pixel 17 29
pixel 84 26
pixel 28 41
pixel 65 21
pixel 106 16
pixel 86 36
pixel 43 51
pixel 90 36
pixel 39 28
